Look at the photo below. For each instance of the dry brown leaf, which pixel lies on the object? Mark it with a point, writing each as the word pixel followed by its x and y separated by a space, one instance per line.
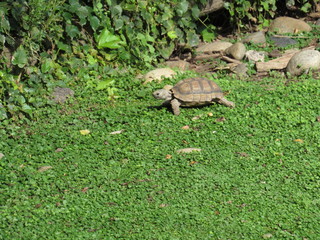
pixel 168 156
pixel 84 189
pixel 193 162
pixel 44 168
pixel 318 118
pixel 186 127
pixel 221 119
pixel 59 150
pixel 188 150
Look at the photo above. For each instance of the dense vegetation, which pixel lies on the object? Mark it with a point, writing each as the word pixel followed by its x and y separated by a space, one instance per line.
pixel 105 165
pixel 58 43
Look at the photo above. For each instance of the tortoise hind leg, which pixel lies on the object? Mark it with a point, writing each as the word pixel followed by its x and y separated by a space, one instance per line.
pixel 175 104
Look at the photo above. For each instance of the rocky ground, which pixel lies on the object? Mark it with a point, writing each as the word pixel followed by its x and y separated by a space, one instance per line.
pixel 232 54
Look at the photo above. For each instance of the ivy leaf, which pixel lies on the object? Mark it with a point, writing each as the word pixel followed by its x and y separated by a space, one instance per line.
pixel 46 65
pixel 108 40
pixel 94 22
pixel 118 23
pixel 172 34
pixel 182 7
pixel 195 11
pixel 104 84
pixel 20 57
pixel 72 31
pixel 192 39
pixel 116 10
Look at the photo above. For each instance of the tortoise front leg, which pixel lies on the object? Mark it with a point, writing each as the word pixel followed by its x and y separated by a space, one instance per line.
pixel 226 102
pixel 175 104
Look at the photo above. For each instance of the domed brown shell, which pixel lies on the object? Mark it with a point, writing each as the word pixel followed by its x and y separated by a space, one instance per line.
pixel 197 91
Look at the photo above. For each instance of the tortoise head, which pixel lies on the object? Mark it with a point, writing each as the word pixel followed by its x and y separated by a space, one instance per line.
pixel 162 94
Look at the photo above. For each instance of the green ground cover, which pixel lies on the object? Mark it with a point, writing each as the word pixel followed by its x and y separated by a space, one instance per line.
pixel 257 176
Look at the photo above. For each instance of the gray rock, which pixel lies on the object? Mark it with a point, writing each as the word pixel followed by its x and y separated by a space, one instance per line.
pixel 60 95
pixel 236 51
pixel 255 56
pixel 212 6
pixel 240 69
pixel 256 38
pixel 158 74
pixel 216 46
pixel 303 61
pixel 282 41
pixel 289 25
pixel 180 64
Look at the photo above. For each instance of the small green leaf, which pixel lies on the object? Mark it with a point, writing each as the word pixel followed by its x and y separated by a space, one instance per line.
pixel 108 40
pixel 20 57
pixel 192 39
pixel 172 35
pixel 118 23
pixel 104 84
pixel 182 7
pixel 94 22
pixel 46 66
pixel 72 31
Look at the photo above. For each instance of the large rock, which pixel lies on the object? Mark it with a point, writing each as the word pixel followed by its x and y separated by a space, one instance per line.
pixel 158 74
pixel 216 46
pixel 289 25
pixel 236 51
pixel 303 61
pixel 212 6
pixel 256 38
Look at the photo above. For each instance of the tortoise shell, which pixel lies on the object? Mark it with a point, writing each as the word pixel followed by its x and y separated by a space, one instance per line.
pixel 197 91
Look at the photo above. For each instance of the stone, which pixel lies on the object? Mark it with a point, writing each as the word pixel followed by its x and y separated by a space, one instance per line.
pixel 255 56
pixel 180 64
pixel 289 25
pixel 303 61
pixel 236 51
pixel 158 74
pixel 216 46
pixel 60 95
pixel 282 41
pixel 212 6
pixel 255 38
pixel 241 69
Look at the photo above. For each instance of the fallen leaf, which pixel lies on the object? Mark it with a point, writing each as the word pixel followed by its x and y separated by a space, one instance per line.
pixel 85 132
pixel 59 150
pixel 1 155
pixel 196 117
pixel 44 168
pixel 84 189
pixel 210 114
pixel 193 162
pixel 267 235
pixel 298 140
pixel 163 205
pixel 242 154
pixel 168 156
pixel 221 119
pixel 186 127
pixel 318 118
pixel 117 132
pixel 188 150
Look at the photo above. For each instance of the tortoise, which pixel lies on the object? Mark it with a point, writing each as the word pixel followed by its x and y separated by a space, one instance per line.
pixel 192 92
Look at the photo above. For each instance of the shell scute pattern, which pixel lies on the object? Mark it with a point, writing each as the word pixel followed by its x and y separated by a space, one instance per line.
pixel 196 91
